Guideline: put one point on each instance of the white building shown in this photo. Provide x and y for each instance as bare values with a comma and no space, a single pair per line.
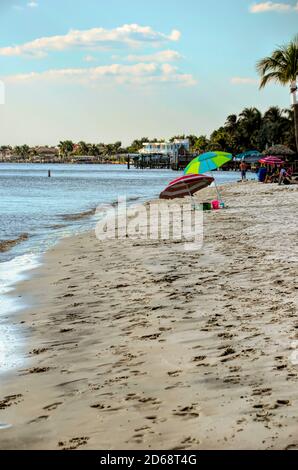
170,149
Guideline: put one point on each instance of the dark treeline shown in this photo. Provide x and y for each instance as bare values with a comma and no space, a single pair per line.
249,130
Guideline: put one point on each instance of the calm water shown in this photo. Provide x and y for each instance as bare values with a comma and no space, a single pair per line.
34,204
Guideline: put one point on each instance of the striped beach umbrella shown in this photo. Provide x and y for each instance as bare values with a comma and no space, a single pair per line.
208,162
186,186
271,161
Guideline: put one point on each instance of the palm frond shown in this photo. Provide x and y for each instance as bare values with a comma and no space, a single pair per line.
272,77
281,66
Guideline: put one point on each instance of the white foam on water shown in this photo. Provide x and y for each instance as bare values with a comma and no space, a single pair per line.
12,272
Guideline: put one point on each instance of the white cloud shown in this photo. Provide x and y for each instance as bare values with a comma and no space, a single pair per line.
132,35
244,81
162,56
175,35
90,58
273,6
31,4
140,74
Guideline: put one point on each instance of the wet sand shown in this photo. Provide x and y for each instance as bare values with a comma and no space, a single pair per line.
143,345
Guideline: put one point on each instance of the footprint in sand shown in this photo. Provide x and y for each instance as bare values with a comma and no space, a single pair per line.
188,412
73,443
53,406
138,438
186,443
199,358
150,337
226,335
174,373
37,370
151,401
228,355
264,410
106,408
36,352
152,418
262,392
98,406
176,385
292,447
143,428
38,419
10,400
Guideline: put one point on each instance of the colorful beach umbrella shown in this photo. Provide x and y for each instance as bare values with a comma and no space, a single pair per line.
186,186
207,162
251,156
271,161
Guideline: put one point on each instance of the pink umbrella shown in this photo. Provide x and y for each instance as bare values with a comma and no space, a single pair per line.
186,185
271,161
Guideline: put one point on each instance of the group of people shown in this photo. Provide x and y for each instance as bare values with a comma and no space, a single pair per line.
275,174
269,174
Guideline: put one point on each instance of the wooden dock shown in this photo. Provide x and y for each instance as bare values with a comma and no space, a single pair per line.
161,162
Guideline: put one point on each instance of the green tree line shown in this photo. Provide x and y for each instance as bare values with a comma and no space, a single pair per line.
248,130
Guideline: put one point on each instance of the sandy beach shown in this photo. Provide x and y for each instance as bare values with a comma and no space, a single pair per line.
143,345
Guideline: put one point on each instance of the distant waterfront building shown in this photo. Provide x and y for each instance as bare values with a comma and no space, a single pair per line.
45,153
167,149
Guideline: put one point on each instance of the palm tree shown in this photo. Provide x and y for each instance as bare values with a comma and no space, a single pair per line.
276,125
252,117
66,147
282,67
289,138
201,144
273,114
93,150
83,148
250,121
231,121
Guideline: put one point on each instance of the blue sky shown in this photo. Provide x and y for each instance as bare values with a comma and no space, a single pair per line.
107,70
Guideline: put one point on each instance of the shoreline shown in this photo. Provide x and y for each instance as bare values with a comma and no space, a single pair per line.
129,351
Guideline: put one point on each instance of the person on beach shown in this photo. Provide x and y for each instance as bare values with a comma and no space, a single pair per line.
275,175
262,173
271,175
243,169
282,175
285,177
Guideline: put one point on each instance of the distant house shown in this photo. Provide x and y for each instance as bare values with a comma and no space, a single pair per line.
167,149
84,159
45,153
